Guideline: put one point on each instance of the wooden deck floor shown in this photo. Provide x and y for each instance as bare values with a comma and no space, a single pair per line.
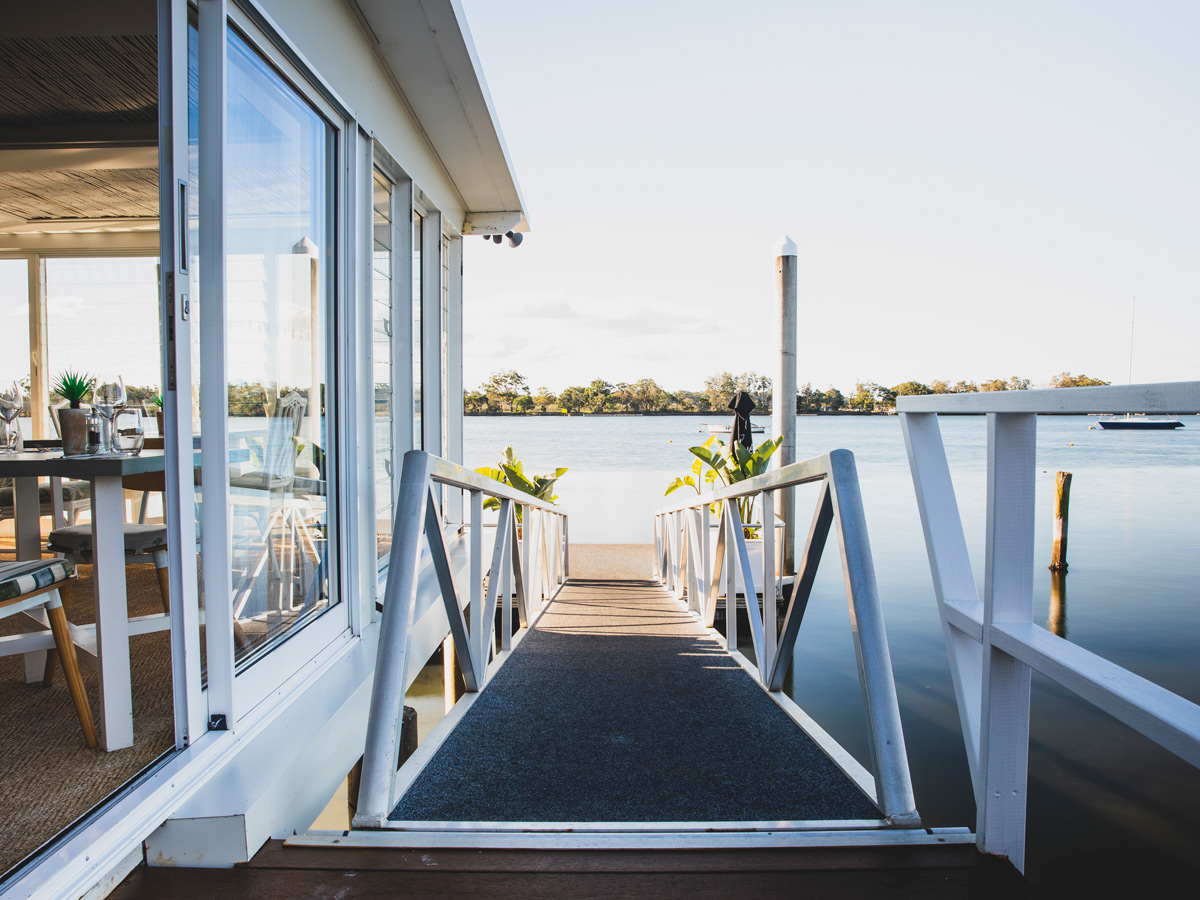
300,873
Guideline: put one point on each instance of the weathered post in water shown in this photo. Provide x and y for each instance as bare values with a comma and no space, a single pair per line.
783,403
1057,621
1062,502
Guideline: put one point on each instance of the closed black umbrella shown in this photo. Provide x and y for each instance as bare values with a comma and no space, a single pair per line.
742,405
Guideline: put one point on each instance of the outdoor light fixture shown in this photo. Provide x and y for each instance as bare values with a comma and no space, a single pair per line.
514,238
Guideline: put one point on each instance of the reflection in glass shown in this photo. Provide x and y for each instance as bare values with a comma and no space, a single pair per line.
279,164
193,276
417,361
382,333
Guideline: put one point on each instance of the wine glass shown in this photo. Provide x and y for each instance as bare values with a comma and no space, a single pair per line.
108,398
11,401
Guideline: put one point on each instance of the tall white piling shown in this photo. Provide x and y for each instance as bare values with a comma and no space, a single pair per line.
783,404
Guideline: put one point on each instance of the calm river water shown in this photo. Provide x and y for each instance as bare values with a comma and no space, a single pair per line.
1110,812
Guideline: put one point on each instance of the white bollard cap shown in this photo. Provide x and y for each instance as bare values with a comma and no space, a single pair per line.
785,246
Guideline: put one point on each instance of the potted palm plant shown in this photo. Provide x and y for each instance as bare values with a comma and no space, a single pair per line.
72,418
511,471
730,465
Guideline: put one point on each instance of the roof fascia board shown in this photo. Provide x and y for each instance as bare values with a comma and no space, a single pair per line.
428,49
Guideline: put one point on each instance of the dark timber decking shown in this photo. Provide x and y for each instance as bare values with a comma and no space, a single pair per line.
302,873
619,707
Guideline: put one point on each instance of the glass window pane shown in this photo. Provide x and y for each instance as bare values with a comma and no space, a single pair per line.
102,320
14,328
382,197
418,440
280,240
384,379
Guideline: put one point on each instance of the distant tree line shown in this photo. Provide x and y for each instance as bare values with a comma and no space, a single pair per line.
509,392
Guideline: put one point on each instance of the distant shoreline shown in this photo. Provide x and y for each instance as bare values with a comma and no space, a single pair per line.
711,414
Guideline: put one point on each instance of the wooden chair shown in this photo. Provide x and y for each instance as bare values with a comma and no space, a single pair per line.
47,583
141,541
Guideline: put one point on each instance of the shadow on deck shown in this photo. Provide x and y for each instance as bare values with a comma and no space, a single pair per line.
619,707
621,718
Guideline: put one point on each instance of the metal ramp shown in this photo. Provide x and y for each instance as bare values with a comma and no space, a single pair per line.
615,717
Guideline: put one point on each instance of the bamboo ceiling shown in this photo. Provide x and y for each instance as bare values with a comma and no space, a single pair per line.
48,85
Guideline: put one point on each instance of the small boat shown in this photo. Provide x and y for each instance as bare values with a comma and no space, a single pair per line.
1130,422
726,428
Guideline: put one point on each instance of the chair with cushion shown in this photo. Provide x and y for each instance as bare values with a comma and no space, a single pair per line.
141,541
47,583
269,496
76,496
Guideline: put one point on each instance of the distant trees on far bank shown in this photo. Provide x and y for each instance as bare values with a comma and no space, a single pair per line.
508,392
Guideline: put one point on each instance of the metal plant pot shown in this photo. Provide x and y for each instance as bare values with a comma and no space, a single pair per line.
73,425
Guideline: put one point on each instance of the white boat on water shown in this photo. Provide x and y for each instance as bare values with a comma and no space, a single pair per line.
726,428
1130,422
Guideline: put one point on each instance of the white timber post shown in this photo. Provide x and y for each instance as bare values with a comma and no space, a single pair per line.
1007,600
783,404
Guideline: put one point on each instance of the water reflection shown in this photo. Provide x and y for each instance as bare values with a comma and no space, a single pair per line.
1057,621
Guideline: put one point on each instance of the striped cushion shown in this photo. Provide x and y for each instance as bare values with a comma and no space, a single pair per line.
19,578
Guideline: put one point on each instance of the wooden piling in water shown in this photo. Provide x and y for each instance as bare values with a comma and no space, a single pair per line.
452,676
1057,621
1062,502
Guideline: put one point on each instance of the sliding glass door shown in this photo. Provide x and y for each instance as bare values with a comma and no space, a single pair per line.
265,165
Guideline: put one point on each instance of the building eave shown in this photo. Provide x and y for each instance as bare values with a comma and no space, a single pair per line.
427,46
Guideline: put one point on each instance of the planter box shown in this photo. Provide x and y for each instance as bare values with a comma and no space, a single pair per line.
754,550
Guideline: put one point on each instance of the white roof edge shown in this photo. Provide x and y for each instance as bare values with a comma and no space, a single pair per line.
428,48
465,30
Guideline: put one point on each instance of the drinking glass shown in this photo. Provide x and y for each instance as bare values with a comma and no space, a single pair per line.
11,400
108,399
131,436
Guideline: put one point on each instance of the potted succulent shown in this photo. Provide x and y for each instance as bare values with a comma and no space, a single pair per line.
72,419
158,412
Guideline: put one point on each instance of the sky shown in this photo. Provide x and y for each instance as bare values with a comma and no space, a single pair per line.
976,190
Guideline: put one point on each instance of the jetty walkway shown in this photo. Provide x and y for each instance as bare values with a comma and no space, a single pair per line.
620,707
617,708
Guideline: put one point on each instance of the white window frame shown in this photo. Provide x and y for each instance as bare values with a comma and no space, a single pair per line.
233,694
401,212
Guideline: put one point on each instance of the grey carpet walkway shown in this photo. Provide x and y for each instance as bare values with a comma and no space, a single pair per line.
618,707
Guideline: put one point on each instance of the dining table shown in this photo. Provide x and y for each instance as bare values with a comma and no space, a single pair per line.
106,644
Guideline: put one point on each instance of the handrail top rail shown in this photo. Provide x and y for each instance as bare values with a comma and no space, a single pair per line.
454,475
1181,397
812,469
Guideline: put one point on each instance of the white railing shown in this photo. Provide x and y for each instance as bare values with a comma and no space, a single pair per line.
691,565
414,624
993,643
